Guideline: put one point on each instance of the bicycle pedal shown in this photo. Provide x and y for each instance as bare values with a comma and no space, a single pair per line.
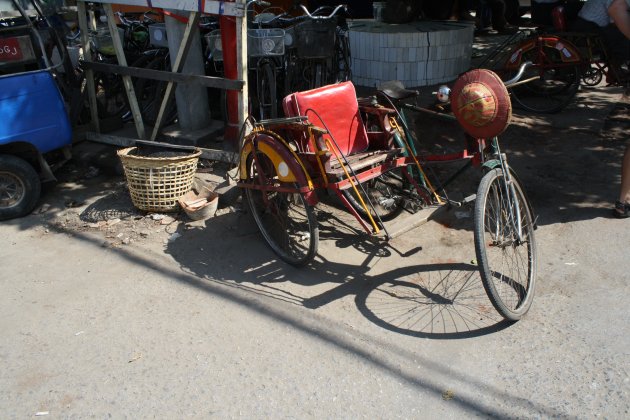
464,202
471,198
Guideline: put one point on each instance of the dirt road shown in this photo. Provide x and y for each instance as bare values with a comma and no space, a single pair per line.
107,312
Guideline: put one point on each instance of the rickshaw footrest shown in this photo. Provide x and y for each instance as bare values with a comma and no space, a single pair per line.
404,224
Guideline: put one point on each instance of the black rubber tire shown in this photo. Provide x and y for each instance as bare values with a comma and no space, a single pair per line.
20,187
286,221
319,74
342,59
592,76
111,95
507,266
266,99
150,94
556,88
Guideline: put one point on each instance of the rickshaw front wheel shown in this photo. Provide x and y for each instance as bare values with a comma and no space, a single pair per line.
505,244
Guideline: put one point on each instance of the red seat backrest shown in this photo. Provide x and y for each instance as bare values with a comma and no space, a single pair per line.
334,107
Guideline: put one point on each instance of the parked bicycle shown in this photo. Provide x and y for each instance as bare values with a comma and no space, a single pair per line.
313,57
562,61
552,81
265,49
112,98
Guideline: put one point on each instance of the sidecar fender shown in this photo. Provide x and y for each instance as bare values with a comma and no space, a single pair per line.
568,53
287,164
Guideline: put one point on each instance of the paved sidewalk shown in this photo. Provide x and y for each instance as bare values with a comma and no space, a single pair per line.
143,317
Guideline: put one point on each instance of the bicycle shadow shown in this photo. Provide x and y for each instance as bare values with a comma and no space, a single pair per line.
429,300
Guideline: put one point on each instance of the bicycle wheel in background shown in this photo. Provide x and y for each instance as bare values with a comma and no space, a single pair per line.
292,73
111,97
267,102
342,60
507,262
556,87
318,74
286,221
592,76
150,94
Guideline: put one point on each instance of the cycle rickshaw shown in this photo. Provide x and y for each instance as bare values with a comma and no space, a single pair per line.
362,151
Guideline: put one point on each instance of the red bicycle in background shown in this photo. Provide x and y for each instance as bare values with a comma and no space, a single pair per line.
561,62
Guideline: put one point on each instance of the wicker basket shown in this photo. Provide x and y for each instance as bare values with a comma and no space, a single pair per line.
155,183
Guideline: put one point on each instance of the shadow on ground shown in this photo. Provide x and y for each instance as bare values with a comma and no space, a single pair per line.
445,301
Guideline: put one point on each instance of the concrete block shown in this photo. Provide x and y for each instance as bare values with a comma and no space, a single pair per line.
411,54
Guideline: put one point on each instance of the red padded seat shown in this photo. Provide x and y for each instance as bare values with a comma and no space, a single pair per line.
333,107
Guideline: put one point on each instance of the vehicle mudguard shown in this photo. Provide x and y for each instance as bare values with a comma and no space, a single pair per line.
491,164
33,111
287,164
568,52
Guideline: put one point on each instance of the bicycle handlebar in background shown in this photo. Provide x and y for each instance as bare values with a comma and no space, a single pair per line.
125,21
330,16
443,94
261,3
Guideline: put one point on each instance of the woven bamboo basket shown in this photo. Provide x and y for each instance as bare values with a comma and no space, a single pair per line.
155,183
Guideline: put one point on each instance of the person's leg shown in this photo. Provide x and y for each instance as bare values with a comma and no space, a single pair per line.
624,195
463,11
571,9
402,11
439,10
512,11
618,48
499,23
622,206
498,13
541,13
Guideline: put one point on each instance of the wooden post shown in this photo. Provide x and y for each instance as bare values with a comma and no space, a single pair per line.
193,19
120,54
241,63
237,82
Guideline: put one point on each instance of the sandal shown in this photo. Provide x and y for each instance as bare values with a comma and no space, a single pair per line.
621,210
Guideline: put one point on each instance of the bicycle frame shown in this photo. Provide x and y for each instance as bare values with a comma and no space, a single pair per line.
487,155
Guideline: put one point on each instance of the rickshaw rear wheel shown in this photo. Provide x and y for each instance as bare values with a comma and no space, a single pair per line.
287,222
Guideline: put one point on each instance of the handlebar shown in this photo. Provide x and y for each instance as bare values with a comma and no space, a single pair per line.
443,94
125,21
271,22
258,3
334,12
516,80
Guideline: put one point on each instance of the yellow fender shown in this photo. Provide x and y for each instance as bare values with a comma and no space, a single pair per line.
287,164
568,52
